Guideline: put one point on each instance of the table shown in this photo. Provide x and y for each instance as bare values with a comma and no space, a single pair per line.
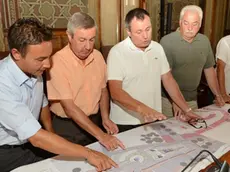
225,157
145,135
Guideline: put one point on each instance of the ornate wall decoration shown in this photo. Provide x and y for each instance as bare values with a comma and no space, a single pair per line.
54,13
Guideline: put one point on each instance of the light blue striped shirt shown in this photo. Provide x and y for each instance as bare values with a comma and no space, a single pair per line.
21,100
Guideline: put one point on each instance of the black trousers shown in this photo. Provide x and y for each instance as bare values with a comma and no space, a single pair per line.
71,131
123,128
13,157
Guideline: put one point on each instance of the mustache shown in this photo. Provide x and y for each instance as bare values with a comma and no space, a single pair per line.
189,32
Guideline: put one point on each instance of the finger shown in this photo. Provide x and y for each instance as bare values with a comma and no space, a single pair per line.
107,146
113,163
160,116
216,103
120,144
113,145
103,164
106,128
99,167
108,131
116,130
108,165
176,113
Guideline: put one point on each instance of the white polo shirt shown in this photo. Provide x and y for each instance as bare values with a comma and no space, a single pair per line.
223,53
140,73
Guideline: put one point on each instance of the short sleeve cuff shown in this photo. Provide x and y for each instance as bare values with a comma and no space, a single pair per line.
164,71
62,97
221,58
115,78
28,129
45,101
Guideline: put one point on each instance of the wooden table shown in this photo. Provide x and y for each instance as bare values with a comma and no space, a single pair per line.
225,157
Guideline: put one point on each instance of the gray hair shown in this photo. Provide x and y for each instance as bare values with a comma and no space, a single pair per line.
80,20
193,8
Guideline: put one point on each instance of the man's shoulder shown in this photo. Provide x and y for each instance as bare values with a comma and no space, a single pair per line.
97,53
120,46
225,39
62,52
169,38
98,56
171,35
202,37
155,44
7,80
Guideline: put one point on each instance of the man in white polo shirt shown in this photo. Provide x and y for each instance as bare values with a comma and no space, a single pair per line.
223,67
136,67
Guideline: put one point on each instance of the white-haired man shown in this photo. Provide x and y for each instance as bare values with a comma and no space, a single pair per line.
189,53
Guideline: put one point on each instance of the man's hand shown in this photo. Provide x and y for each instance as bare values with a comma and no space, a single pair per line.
100,161
185,117
110,126
226,98
150,115
110,142
176,110
219,101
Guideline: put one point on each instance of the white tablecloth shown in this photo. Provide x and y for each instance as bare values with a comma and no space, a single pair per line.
145,135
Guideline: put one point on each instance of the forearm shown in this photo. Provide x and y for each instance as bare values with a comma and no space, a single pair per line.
212,80
127,101
77,115
104,104
55,144
45,118
221,80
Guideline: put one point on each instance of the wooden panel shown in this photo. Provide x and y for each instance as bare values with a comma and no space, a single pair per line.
60,39
3,54
110,22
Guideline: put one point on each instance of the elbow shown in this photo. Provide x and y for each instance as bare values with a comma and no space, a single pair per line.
34,141
115,96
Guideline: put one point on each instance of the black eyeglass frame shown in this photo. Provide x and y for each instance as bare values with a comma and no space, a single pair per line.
194,121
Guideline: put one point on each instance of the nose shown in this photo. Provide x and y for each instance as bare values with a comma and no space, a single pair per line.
87,46
145,35
190,27
46,63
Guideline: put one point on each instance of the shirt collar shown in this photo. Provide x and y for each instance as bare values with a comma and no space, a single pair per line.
19,76
134,48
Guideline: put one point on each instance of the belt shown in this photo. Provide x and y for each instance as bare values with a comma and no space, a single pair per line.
12,146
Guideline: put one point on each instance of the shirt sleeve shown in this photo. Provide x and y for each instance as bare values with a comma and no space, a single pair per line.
222,51
114,66
58,87
45,101
15,115
210,62
165,65
104,70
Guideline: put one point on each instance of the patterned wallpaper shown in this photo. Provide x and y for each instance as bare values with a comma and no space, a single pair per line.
54,13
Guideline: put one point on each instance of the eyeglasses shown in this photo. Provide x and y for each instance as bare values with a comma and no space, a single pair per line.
198,123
